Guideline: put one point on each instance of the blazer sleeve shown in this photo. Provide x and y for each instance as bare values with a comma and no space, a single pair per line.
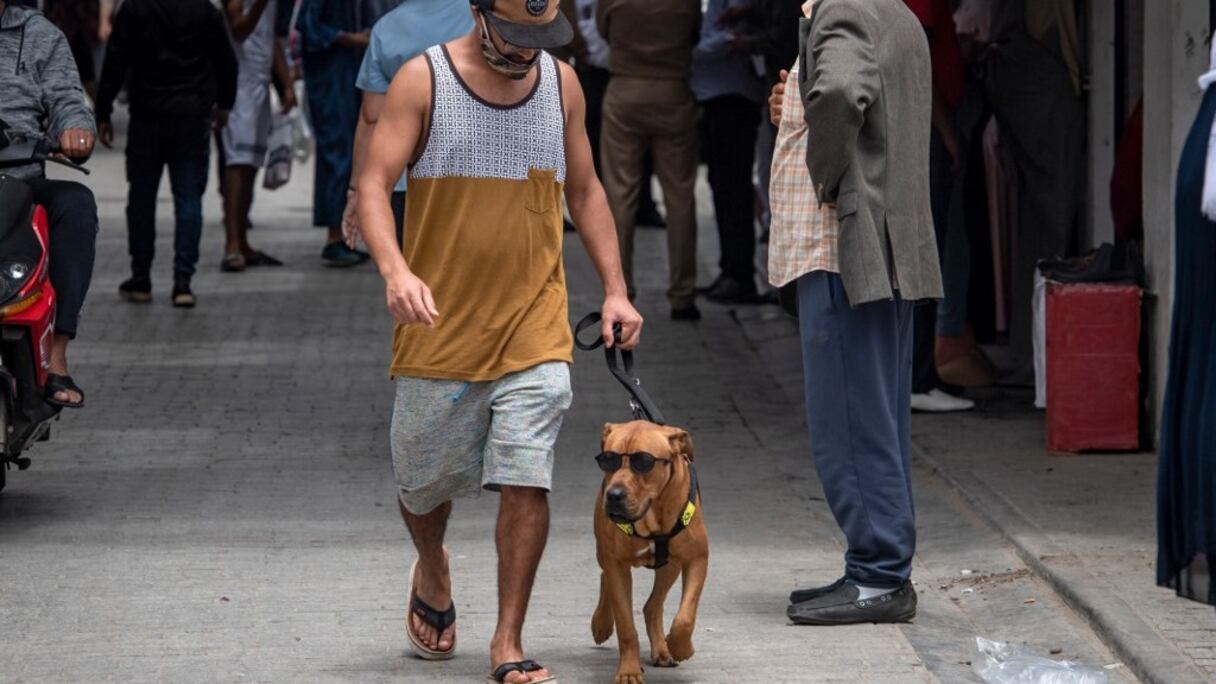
842,84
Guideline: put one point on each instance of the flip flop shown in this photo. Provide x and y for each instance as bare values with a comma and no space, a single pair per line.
62,383
233,262
525,666
261,259
440,620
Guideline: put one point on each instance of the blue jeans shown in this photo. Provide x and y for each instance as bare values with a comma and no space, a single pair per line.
857,366
183,143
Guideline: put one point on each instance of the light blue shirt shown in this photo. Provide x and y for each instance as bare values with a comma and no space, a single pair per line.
715,70
405,33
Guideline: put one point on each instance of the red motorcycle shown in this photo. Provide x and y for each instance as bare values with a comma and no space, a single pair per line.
27,308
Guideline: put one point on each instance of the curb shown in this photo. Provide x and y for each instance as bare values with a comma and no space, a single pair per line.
1147,654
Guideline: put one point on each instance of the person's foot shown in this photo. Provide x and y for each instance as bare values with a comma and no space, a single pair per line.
800,595
433,584
716,281
501,653
136,289
233,262
937,401
844,606
731,291
183,298
649,217
338,255
686,313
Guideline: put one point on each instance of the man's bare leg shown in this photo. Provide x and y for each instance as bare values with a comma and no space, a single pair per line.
433,584
237,179
523,529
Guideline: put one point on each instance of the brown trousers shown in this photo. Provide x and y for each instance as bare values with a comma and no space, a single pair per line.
659,116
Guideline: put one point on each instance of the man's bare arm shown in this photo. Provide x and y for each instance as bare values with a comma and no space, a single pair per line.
593,218
393,142
369,114
240,22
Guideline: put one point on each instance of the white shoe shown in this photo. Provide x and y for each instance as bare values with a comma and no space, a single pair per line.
937,401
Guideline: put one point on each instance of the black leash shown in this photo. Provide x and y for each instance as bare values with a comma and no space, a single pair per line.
642,406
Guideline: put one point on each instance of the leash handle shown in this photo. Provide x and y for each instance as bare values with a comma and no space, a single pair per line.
640,402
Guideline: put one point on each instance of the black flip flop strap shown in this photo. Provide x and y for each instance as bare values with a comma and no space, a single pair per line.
440,620
643,407
524,666
63,383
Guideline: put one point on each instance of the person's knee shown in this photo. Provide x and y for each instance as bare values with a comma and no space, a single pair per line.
73,205
517,496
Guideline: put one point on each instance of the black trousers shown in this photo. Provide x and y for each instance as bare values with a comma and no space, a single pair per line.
72,213
183,144
729,125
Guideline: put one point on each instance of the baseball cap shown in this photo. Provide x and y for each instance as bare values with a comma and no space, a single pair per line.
531,24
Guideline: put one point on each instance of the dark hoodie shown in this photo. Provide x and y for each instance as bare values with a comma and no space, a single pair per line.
177,54
40,91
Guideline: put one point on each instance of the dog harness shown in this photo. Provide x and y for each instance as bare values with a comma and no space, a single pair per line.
661,541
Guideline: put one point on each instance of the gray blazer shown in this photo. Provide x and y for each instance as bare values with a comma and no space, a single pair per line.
866,83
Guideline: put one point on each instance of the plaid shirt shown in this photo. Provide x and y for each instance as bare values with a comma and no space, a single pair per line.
803,233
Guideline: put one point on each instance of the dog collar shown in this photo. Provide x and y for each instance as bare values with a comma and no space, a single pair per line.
661,541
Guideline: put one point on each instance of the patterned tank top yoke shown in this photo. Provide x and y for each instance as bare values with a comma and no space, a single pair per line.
472,138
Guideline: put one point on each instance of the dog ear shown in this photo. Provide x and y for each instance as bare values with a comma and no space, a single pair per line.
608,428
681,443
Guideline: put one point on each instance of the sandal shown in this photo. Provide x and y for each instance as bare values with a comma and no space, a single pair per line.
233,262
257,258
440,620
525,666
62,383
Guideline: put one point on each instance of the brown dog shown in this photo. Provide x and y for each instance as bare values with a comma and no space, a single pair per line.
648,513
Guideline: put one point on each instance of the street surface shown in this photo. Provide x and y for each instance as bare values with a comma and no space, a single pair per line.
223,510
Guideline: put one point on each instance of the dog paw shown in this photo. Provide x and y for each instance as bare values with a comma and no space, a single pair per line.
625,677
680,646
662,658
601,627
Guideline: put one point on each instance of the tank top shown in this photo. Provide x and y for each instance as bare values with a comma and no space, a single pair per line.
255,56
483,230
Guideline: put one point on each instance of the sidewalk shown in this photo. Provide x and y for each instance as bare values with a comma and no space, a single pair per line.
1085,524
224,508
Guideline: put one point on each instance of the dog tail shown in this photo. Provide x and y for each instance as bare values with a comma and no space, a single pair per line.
603,621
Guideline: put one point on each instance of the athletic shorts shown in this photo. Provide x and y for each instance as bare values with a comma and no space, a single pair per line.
450,437
248,130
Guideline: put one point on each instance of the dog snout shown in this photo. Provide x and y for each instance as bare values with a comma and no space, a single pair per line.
616,496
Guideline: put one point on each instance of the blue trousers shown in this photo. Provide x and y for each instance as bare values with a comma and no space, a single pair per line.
857,365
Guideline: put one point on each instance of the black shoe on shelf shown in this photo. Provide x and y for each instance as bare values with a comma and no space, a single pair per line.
687,313
183,298
136,289
649,217
731,291
844,606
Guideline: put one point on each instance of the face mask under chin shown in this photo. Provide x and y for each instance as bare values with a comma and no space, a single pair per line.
499,62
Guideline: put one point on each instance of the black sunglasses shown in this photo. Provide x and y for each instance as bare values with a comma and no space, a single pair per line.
640,462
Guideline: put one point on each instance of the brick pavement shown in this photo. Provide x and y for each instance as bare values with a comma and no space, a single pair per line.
223,511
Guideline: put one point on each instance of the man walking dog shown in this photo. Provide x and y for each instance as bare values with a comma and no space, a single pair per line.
861,253
491,128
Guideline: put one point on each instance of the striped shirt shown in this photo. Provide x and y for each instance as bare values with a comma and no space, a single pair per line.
803,233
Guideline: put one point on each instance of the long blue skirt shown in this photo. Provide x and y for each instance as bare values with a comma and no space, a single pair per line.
1186,483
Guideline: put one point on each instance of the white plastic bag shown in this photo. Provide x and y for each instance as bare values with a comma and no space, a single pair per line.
997,662
301,129
278,157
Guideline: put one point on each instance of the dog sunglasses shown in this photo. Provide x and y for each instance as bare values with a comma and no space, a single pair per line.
640,462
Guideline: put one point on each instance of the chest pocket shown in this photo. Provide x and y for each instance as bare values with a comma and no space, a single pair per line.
541,192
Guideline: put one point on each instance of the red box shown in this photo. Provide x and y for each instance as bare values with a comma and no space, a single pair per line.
1093,367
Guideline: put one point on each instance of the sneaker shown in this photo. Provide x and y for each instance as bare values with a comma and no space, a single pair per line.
183,298
136,289
937,401
338,255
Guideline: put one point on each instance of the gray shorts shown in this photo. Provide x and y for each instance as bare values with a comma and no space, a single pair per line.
451,437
